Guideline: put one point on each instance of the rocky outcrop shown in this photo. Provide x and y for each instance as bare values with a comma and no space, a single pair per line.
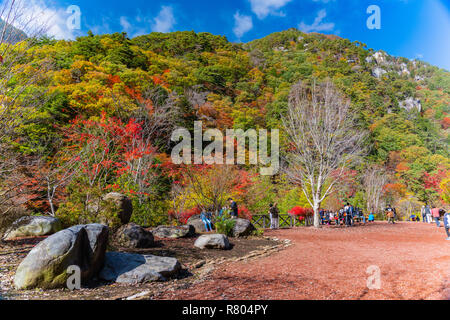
404,70
243,228
134,237
135,268
33,226
379,57
411,104
170,232
378,72
124,207
213,241
46,265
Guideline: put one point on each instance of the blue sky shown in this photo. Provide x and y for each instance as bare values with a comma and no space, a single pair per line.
409,28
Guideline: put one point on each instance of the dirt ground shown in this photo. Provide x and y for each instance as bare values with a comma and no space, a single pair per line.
331,263
191,258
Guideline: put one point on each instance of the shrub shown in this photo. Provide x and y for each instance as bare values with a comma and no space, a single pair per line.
301,212
150,213
225,225
184,216
84,206
244,213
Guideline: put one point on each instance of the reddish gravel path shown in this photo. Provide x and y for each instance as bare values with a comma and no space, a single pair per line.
331,263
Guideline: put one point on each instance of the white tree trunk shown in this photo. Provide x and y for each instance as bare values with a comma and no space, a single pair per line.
316,215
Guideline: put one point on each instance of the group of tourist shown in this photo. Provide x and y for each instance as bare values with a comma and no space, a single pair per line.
436,214
207,215
346,216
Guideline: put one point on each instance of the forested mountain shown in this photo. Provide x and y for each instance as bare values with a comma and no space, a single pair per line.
114,83
11,34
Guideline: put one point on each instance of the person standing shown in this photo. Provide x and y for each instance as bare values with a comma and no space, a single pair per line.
447,224
274,216
348,215
436,216
390,214
428,213
424,214
234,208
352,214
322,217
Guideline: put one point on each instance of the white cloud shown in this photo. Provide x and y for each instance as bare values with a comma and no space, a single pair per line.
317,25
37,17
242,24
126,25
263,8
165,20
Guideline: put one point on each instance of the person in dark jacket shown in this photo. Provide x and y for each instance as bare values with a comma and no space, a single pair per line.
348,215
390,214
274,216
234,208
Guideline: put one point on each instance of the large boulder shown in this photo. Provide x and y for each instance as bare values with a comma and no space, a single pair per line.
124,206
46,265
243,228
33,226
197,223
170,232
134,237
213,241
135,268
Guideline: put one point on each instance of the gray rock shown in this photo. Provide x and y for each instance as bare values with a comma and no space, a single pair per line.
213,241
170,232
124,206
379,57
134,236
135,268
419,78
243,228
411,104
378,72
46,265
33,226
404,70
197,223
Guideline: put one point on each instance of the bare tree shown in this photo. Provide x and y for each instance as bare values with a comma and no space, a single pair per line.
180,196
19,97
324,140
374,180
57,174
157,114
